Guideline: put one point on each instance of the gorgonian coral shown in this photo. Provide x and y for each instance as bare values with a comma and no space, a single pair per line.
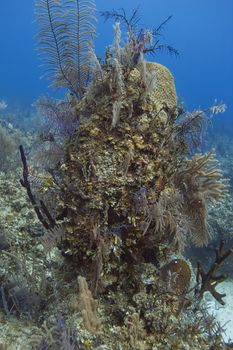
66,40
200,181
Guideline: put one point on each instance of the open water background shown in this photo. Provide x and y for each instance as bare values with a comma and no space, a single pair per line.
201,30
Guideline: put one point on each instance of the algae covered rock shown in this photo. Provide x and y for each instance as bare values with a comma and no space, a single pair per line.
122,197
124,173
127,194
109,170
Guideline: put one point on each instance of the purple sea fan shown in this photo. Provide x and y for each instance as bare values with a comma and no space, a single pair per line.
59,115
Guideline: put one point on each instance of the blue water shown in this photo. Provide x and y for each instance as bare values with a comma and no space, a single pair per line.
201,30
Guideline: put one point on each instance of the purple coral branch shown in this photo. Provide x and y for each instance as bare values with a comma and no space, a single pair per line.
38,209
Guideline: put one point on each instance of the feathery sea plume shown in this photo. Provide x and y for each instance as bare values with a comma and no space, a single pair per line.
200,182
168,216
65,40
190,127
52,237
163,215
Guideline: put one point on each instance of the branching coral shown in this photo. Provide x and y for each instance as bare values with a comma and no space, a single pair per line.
190,128
54,230
40,209
207,281
141,41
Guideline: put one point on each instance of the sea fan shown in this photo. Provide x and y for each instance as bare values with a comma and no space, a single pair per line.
190,128
65,40
60,117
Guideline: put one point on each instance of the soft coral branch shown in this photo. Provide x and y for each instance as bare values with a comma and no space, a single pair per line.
41,209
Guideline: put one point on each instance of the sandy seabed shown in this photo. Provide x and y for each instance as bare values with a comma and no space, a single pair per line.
223,313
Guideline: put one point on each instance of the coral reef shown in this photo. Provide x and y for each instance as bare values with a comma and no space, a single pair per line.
8,150
99,254
209,280
129,190
219,219
200,183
